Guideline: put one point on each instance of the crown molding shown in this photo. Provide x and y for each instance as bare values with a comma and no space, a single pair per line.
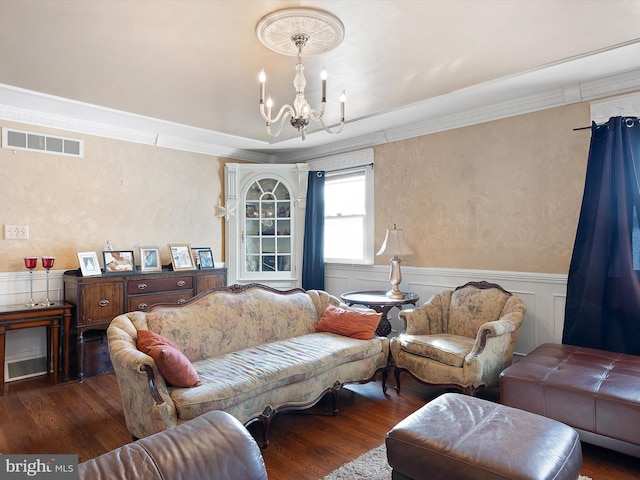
68,124
33,108
574,93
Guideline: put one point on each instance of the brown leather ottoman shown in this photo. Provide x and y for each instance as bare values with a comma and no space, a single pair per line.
595,391
462,437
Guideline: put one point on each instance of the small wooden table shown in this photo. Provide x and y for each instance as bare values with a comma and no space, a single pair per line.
378,300
16,317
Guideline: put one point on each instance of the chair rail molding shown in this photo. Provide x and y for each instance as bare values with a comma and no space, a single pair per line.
544,294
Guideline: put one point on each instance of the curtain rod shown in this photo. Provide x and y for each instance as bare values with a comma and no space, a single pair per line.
354,167
601,124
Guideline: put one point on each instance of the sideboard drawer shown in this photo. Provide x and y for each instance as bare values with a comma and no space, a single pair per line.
152,285
142,302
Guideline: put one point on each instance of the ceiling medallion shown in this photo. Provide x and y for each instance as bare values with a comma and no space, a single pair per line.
325,30
287,32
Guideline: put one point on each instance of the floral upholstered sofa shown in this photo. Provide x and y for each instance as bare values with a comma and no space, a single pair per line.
254,351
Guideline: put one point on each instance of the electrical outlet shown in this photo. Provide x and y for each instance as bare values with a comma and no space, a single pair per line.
16,232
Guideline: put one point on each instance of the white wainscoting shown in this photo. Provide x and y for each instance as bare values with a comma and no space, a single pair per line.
543,294
14,290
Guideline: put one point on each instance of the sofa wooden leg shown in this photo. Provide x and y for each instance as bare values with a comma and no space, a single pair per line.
471,390
265,419
335,390
384,379
396,374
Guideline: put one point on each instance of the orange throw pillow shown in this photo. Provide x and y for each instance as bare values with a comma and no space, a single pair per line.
350,323
147,338
172,363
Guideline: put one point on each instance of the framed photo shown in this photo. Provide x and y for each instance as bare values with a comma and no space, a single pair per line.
203,258
181,257
150,259
89,265
118,261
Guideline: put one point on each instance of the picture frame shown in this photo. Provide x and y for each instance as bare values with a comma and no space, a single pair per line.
181,256
89,266
150,260
203,257
118,261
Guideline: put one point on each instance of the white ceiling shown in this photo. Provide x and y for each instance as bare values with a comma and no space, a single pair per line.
196,63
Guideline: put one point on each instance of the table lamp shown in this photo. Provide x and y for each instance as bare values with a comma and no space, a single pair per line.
395,244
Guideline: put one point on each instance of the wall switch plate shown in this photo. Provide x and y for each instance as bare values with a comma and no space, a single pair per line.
16,232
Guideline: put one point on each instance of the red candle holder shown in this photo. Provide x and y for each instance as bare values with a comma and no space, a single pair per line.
47,263
31,263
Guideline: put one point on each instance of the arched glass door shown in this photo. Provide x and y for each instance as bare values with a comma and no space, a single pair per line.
267,232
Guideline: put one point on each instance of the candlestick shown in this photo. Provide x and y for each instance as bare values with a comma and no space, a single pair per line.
323,77
31,263
47,263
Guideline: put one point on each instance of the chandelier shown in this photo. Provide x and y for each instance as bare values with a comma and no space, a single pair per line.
287,32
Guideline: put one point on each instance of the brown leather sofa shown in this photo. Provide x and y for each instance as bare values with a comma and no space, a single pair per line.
212,446
594,391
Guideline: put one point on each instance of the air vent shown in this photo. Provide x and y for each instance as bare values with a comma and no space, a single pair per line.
37,142
25,368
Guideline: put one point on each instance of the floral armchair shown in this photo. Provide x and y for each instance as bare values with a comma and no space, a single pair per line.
461,338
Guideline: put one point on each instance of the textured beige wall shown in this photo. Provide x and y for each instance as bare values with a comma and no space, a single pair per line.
503,195
127,193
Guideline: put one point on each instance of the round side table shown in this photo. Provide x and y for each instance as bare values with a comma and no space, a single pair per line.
378,301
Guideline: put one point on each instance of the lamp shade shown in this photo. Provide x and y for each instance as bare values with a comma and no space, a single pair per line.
395,243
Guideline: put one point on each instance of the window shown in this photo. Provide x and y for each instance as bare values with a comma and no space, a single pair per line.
348,216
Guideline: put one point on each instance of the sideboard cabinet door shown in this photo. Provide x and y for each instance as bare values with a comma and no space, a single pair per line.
101,302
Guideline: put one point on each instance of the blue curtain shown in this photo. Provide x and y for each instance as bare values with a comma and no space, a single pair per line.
603,290
313,252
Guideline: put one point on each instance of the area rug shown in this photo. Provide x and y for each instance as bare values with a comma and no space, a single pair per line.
371,465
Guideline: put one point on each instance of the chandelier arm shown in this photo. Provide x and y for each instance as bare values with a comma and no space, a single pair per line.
280,124
316,115
332,132
284,111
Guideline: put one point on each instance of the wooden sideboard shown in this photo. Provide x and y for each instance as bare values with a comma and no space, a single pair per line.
97,300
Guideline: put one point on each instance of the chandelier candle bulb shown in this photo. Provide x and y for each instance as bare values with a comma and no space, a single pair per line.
263,78
323,77
269,105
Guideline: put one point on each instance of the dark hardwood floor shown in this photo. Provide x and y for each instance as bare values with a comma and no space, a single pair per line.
86,418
